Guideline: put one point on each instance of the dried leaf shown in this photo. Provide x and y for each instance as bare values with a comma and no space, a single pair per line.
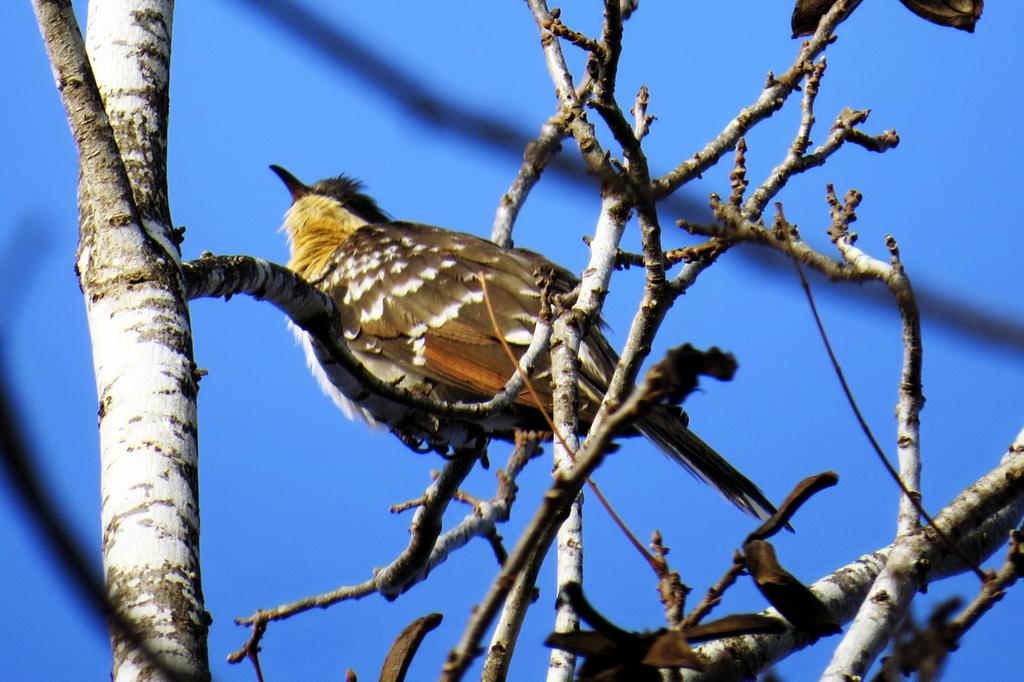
611,653
803,491
789,596
675,376
606,660
807,14
734,626
582,643
396,663
572,592
961,14
669,649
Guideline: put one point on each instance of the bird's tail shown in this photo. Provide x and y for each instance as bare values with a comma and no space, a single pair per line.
670,434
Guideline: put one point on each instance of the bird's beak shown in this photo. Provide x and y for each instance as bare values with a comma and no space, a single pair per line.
294,185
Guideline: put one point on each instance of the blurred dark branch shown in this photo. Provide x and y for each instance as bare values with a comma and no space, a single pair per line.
950,313
17,456
16,461
421,101
318,33
419,98
965,319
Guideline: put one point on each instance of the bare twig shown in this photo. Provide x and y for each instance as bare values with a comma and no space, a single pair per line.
848,392
608,58
714,594
641,119
458,496
980,518
992,591
425,550
541,529
250,651
568,446
797,160
857,266
569,542
911,397
535,158
738,175
537,155
670,586
736,228
569,536
407,567
898,588
575,116
513,612
771,99
843,130
578,39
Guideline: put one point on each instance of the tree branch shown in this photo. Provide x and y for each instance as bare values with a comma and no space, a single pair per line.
440,423
427,547
980,518
771,99
541,529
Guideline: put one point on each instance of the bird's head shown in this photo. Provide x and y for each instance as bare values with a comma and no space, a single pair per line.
322,216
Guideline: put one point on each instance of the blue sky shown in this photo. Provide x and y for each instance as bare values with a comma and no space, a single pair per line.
294,497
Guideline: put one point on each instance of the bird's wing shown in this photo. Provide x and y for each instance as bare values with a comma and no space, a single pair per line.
413,306
414,312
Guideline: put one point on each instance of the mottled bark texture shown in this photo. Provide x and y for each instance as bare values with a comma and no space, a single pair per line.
130,275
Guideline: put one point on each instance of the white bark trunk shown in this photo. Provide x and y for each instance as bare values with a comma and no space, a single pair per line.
142,354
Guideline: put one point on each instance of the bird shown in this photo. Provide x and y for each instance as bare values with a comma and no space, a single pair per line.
414,315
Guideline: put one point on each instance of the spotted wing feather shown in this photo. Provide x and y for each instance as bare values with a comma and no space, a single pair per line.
413,307
414,313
